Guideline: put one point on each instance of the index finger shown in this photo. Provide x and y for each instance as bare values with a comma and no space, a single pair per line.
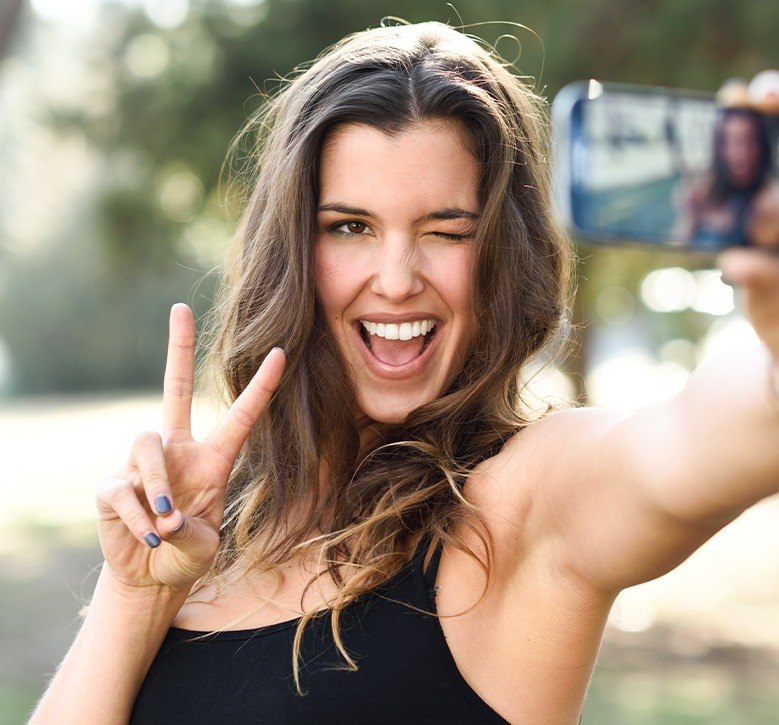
249,405
179,374
756,267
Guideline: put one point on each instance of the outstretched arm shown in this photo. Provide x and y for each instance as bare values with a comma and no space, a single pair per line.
630,496
159,520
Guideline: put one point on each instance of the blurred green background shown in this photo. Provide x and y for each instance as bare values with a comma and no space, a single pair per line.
115,119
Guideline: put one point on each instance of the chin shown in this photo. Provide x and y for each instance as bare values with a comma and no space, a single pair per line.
388,411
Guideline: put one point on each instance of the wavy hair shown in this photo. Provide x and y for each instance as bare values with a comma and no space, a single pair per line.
363,517
722,187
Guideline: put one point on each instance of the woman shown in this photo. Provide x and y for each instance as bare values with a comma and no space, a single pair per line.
737,203
399,246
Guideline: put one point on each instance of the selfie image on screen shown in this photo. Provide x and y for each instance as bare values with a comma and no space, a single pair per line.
675,169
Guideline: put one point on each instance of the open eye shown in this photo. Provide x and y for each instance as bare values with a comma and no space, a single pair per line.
352,227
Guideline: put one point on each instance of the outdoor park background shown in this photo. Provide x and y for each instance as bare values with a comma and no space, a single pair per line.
115,117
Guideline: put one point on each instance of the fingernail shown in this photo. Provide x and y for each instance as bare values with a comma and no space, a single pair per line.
276,348
152,540
180,526
162,504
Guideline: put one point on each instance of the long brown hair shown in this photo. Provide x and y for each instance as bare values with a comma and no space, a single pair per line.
364,519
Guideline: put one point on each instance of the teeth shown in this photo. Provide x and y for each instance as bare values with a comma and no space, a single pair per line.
403,331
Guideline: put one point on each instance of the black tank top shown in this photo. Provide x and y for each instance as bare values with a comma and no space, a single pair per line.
406,673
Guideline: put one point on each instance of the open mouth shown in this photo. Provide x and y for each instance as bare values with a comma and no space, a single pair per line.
398,344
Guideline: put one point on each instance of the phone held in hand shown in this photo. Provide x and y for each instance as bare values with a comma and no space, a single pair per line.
664,167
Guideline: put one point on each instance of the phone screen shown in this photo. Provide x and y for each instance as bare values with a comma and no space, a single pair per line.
666,167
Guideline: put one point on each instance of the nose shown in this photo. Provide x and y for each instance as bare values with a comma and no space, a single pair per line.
397,275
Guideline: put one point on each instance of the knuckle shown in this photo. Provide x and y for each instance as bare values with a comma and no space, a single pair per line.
242,416
106,487
155,482
260,384
146,439
137,522
222,452
119,493
179,386
183,342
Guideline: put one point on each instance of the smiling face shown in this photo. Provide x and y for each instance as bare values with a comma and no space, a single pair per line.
394,259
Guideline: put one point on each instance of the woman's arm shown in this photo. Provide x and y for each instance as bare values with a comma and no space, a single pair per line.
624,498
100,676
159,520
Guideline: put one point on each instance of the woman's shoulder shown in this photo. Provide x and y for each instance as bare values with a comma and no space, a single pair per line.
544,455
560,430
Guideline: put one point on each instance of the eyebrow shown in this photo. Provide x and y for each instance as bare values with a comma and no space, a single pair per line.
438,215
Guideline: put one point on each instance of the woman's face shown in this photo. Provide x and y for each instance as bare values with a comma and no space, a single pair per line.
394,259
740,150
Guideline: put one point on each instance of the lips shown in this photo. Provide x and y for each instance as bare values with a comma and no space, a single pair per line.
397,349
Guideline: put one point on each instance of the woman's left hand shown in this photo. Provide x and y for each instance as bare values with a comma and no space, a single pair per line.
756,271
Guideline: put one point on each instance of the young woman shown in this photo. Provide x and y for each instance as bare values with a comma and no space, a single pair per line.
379,531
737,202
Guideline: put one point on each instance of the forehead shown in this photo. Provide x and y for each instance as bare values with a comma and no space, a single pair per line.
429,164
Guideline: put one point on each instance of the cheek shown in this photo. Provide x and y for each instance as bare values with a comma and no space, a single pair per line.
337,281
326,278
458,281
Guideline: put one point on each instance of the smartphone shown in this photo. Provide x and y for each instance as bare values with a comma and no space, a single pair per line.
664,167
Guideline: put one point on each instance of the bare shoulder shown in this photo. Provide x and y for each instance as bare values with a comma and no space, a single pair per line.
553,444
541,464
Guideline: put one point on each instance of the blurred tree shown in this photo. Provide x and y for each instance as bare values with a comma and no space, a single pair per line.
10,12
179,92
173,97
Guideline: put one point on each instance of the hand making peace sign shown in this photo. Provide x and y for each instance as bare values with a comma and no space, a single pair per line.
160,514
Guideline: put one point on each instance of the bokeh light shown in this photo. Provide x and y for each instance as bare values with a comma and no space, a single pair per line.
167,13
615,305
181,196
668,290
147,55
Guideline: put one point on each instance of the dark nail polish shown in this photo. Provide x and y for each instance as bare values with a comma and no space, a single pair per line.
162,504
152,540
180,526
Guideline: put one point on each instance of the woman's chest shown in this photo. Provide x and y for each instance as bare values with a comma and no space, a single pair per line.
257,599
